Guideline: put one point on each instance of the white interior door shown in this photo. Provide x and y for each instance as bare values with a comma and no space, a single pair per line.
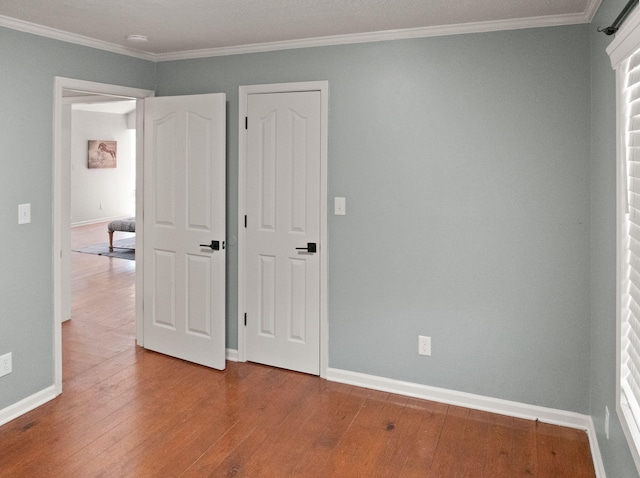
283,218
184,214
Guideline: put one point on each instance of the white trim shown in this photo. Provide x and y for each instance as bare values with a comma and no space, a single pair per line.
476,402
625,44
596,456
387,35
591,10
60,84
403,34
96,221
61,35
139,220
626,40
243,94
625,417
27,404
231,355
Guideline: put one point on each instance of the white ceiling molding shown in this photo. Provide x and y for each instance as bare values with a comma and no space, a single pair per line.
423,32
54,34
592,8
409,33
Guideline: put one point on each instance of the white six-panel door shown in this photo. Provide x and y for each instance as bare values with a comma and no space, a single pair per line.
283,207
184,199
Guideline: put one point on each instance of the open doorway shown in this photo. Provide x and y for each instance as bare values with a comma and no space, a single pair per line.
65,90
103,184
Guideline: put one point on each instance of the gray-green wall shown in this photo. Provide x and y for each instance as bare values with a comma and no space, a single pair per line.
479,176
28,65
465,164
602,191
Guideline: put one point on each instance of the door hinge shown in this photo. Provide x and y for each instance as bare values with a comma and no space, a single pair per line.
246,122
245,221
245,319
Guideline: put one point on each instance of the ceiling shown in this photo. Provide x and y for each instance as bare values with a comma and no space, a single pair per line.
196,28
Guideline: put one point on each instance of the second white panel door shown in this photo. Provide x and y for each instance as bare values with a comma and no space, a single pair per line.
283,230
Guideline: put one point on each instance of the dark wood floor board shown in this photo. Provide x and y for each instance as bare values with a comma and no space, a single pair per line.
499,447
276,457
448,455
474,446
427,439
327,431
115,453
524,449
400,447
225,414
88,421
230,453
356,453
558,451
285,404
372,412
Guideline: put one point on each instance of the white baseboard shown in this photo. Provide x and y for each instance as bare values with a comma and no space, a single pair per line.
476,402
232,355
98,220
598,464
26,405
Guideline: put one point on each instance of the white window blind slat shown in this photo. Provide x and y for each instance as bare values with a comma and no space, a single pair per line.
634,62
634,107
633,156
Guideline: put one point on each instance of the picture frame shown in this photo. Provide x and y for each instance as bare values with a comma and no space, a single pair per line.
102,154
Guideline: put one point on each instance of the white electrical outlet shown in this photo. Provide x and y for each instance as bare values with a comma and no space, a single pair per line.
606,421
424,345
5,364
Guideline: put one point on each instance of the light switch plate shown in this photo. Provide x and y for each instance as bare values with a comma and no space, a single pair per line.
340,206
24,213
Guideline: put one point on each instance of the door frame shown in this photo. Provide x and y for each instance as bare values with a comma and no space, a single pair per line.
61,253
243,97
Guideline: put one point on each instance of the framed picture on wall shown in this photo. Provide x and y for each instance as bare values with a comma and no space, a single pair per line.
103,154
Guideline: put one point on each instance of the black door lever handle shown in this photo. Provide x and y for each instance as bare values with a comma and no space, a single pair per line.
215,245
311,247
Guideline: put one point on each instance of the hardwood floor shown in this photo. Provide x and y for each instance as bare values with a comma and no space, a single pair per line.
127,412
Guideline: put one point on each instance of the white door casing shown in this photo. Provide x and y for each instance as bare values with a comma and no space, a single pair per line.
61,249
184,223
282,288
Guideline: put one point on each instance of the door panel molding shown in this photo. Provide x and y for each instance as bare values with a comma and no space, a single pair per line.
244,92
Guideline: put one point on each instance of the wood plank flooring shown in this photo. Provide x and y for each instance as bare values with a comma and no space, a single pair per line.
127,412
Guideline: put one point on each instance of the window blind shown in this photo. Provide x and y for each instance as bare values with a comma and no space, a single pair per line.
630,326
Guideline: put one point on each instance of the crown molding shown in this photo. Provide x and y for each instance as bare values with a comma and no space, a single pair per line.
387,35
409,33
591,9
61,35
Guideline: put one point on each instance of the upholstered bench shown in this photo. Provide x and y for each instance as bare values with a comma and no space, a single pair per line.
122,225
